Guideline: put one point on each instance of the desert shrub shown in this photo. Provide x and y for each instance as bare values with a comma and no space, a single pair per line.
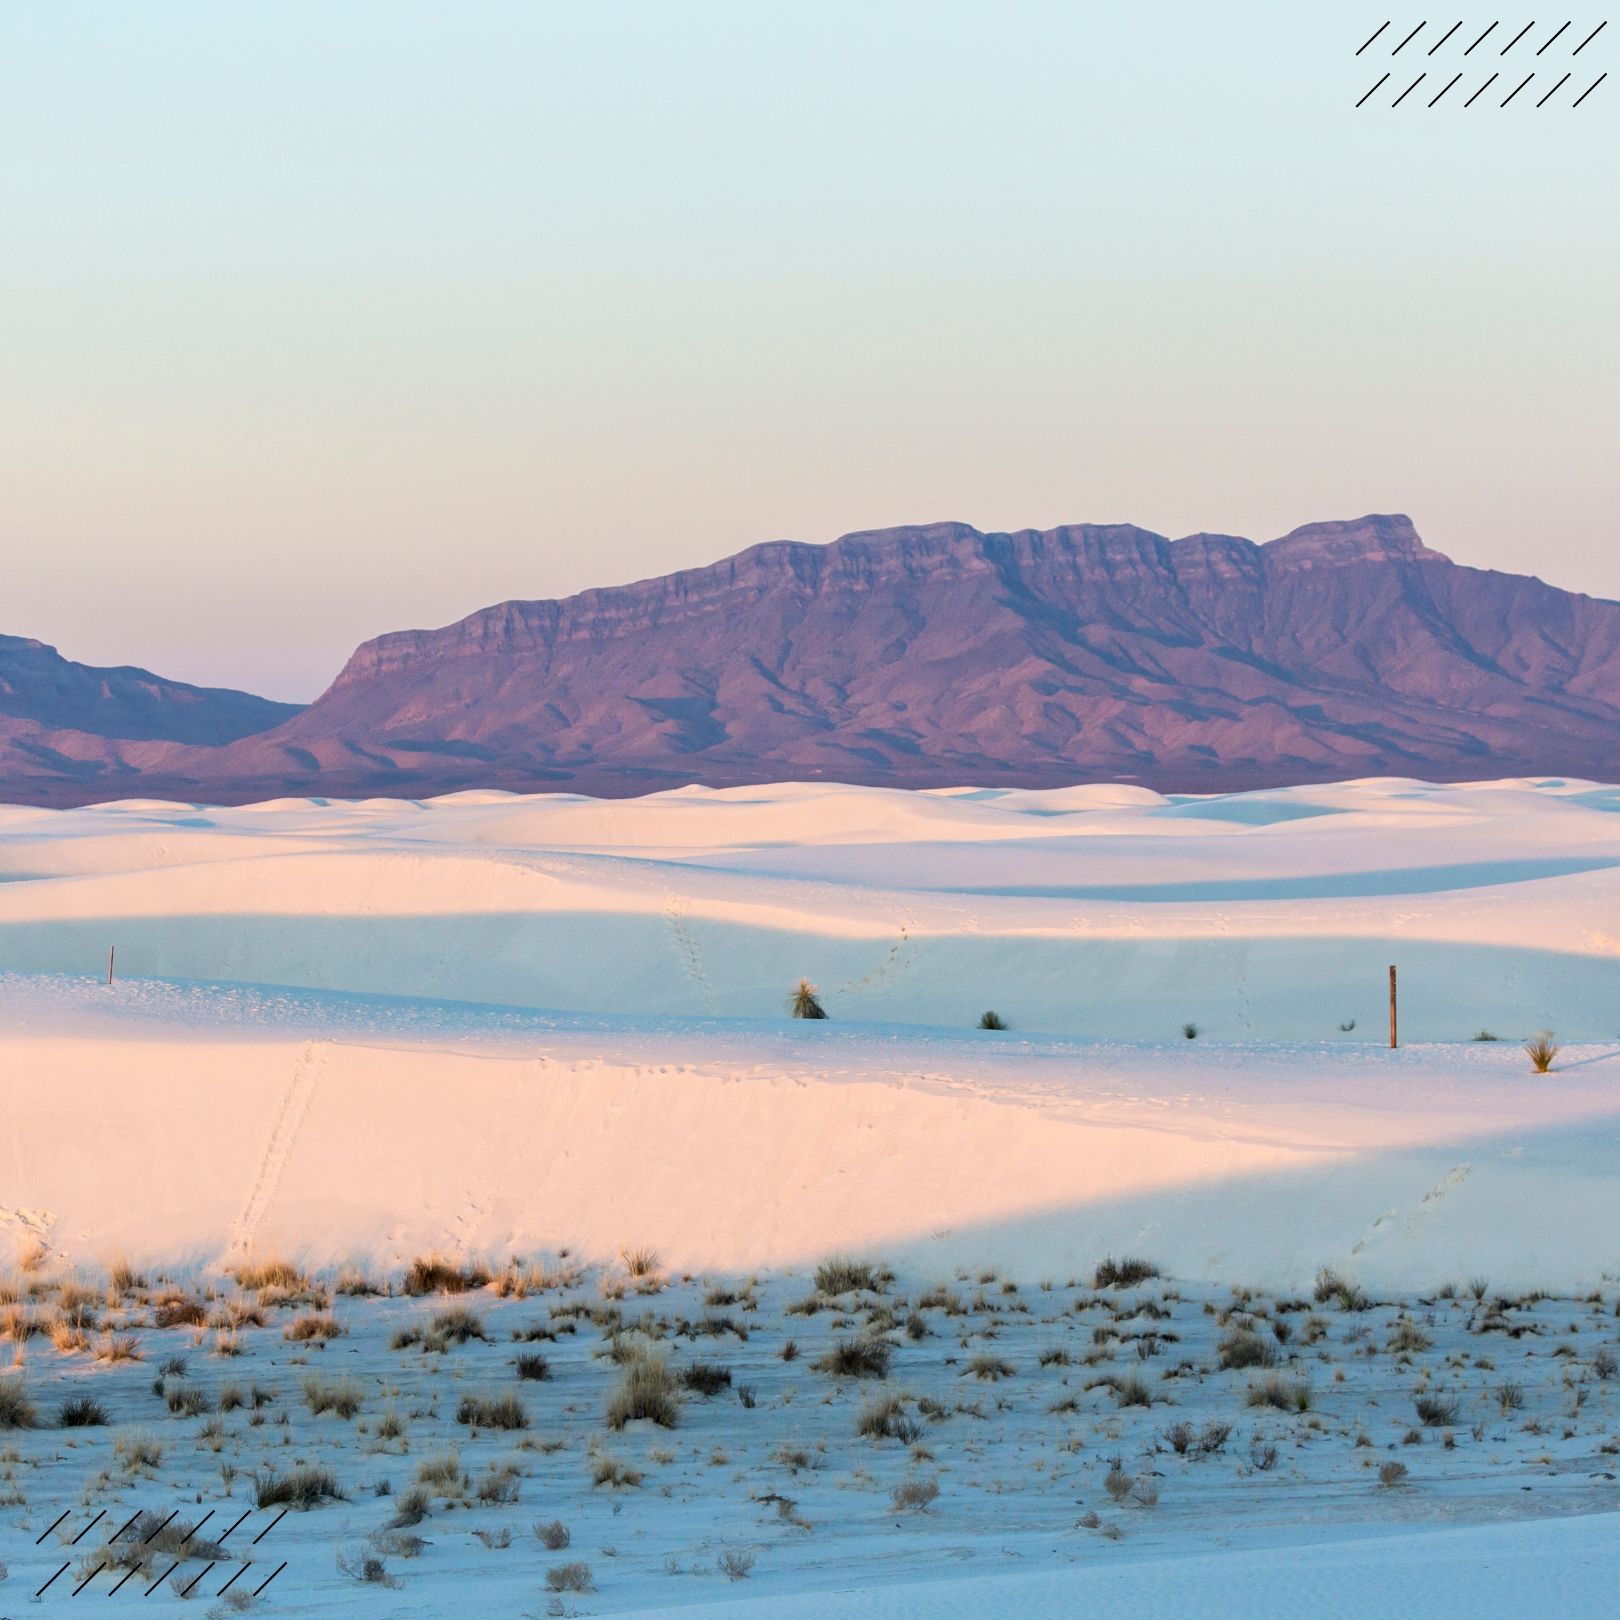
640,1263
16,1410
1127,1389
1189,1032
303,1487
706,1378
1123,1273
370,1568
735,1563
841,1275
1391,1474
1541,1051
341,1396
648,1390
533,1367
992,1020
314,1326
1604,1364
1435,1411
81,1412
885,1419
916,1495
492,1412
1330,1286
1485,1035
499,1485
1244,1348
574,1577
433,1274
865,1357
553,1536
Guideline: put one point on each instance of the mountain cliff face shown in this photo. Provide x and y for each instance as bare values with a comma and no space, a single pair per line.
936,655
69,731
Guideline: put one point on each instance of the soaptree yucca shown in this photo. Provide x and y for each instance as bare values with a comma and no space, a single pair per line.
805,1002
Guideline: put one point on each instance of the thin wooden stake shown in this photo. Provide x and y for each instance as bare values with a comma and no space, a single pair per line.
112,951
1394,1028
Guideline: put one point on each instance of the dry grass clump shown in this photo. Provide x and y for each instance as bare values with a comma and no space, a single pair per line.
865,1357
1331,1287
1125,1272
839,1274
992,1020
1127,1389
16,1410
1243,1347
303,1487
178,1311
1541,1051
885,1419
82,1412
989,1368
1281,1394
341,1396
492,1412
313,1326
606,1469
139,1453
533,1367
1435,1411
273,1271
433,1274
1391,1474
149,1537
1406,1337
648,1390
706,1378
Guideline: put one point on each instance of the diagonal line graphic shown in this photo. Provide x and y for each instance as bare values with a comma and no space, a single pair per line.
1516,38
1589,89
1518,87
1444,37
1408,40
1481,91
1590,37
1375,33
1480,40
1408,90
1561,28
1554,91
1447,88
1364,98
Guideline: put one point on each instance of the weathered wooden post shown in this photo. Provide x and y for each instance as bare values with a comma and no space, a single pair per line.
1394,1028
112,951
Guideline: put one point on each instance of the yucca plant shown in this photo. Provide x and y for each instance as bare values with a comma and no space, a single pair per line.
805,1002
1541,1051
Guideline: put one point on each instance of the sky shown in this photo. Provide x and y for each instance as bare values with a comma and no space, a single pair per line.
318,321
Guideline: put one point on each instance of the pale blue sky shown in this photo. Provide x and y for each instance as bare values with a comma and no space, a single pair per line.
319,320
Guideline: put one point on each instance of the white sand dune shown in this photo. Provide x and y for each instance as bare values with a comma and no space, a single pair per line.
502,1022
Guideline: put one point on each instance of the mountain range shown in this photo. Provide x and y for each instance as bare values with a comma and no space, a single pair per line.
914,657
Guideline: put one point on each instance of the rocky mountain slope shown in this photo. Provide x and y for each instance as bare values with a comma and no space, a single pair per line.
937,655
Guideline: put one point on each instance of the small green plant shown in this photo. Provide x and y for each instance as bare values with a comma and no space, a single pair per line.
992,1020
805,1002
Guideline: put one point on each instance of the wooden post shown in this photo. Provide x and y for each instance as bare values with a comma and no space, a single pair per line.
112,951
1394,1031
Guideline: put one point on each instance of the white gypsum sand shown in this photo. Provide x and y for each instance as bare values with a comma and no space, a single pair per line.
494,1026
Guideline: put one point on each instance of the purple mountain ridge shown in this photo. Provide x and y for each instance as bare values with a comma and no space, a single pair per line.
940,655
